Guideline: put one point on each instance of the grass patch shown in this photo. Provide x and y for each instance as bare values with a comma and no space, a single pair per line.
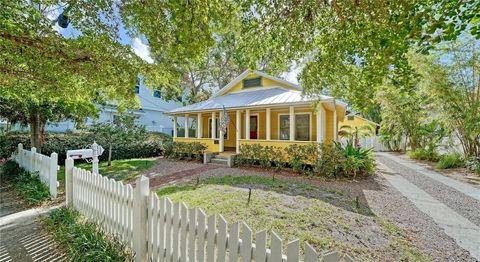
120,169
292,211
29,187
83,240
452,160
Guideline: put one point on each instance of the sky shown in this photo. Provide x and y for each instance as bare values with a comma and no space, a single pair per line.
142,49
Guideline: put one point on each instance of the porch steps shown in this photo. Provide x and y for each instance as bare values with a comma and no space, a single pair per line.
220,159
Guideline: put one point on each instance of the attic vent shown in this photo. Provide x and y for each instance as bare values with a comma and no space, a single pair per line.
252,82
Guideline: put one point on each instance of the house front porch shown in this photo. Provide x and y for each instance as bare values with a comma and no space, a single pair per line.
267,126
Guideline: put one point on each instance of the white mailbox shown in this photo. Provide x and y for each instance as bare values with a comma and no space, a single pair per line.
80,153
93,152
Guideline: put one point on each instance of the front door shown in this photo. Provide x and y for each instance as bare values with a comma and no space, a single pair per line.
253,127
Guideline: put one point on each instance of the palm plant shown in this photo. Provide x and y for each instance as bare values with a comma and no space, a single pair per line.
353,134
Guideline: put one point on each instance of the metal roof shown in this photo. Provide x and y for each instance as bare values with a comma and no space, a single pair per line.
253,98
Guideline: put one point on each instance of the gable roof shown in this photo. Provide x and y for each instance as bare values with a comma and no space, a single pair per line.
272,96
249,71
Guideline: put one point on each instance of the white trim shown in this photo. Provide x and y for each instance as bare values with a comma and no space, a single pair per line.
297,113
186,126
307,103
243,75
238,131
199,125
174,127
213,126
251,89
268,127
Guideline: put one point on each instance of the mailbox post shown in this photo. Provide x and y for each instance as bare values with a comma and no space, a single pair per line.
97,151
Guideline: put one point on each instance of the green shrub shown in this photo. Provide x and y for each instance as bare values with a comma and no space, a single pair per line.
28,186
184,150
83,240
356,160
329,163
250,154
474,165
423,154
452,160
61,142
303,158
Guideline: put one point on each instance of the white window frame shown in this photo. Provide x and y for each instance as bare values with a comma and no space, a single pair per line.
310,123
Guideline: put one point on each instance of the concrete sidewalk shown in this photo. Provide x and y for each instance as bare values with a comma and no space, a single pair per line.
21,236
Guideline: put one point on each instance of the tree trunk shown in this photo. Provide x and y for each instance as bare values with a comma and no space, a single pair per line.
36,130
110,155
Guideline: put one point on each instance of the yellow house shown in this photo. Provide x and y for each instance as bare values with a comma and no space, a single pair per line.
355,121
261,109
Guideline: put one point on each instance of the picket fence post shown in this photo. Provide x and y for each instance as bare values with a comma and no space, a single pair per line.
140,198
52,176
31,167
69,182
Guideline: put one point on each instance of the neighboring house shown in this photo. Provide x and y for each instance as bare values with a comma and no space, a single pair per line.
355,120
151,113
260,110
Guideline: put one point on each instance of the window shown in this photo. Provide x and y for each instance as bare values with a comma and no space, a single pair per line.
137,89
252,82
351,118
284,127
302,127
157,93
217,125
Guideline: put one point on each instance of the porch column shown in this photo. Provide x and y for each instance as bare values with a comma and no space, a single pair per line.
268,124
213,125
175,127
335,123
186,125
320,124
292,123
247,124
238,130
199,125
222,137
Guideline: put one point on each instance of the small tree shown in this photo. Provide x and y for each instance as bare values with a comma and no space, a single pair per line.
122,130
354,134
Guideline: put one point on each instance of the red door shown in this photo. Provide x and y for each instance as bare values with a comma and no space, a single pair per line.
253,127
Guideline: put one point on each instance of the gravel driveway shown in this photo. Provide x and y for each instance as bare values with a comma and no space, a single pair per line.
436,241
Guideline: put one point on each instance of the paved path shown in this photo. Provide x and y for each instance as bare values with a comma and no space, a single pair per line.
453,205
21,236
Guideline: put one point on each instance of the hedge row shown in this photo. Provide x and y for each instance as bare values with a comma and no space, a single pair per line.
61,142
184,150
334,160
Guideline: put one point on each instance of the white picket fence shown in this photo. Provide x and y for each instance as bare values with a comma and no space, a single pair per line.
46,166
159,230
373,142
